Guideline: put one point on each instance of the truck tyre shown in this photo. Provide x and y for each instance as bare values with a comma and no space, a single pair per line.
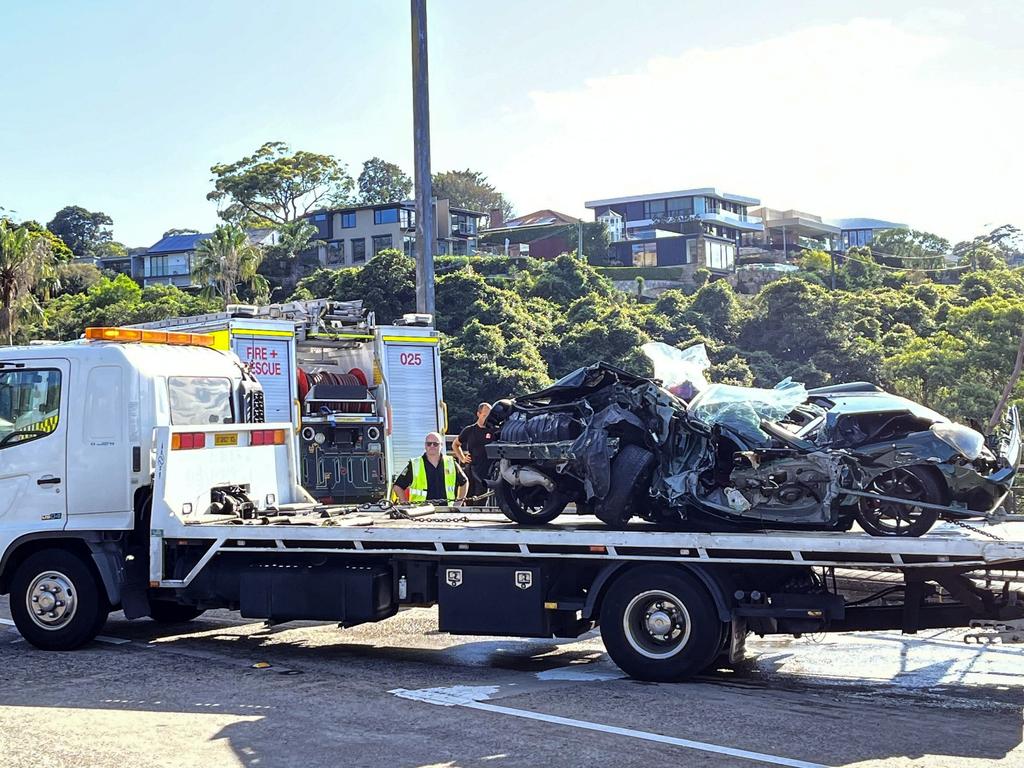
57,601
660,624
629,468
169,612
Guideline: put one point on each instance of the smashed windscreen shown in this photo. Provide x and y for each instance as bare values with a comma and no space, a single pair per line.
744,408
683,372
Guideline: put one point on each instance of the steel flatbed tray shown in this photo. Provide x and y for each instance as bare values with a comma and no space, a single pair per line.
447,532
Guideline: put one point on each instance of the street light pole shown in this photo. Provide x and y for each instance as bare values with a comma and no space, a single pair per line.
425,225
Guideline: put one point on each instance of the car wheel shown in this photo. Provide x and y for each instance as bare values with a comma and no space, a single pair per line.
885,518
629,467
530,505
168,612
660,624
57,601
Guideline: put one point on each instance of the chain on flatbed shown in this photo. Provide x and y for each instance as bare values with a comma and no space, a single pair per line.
969,527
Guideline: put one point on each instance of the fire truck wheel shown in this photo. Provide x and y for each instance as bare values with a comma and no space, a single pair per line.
57,600
660,624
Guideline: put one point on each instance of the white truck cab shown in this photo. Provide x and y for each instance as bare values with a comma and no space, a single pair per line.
78,456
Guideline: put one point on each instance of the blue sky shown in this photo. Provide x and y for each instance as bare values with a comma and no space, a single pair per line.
905,111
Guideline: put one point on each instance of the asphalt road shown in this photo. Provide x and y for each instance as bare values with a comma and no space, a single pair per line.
223,691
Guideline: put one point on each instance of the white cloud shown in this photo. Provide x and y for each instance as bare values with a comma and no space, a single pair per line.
867,118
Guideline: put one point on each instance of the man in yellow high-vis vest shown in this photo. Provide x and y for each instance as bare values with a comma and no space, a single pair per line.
432,477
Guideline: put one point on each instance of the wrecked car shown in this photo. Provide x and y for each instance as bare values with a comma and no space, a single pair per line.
620,446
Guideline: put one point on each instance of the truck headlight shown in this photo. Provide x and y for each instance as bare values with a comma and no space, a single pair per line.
968,442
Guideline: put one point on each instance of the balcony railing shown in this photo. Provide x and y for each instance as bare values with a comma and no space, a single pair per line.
736,219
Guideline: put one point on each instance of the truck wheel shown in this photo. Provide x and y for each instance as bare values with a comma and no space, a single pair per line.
629,468
168,612
57,601
533,505
660,624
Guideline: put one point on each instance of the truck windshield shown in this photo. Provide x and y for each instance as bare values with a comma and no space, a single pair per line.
197,400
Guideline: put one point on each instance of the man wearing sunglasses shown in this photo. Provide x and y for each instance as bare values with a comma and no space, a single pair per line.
432,477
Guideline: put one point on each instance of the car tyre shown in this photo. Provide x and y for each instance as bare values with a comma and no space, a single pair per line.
57,600
879,518
660,624
532,505
629,469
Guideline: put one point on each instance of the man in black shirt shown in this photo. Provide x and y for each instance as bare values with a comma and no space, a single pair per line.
432,477
469,448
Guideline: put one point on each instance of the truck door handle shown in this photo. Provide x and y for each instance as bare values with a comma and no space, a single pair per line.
48,481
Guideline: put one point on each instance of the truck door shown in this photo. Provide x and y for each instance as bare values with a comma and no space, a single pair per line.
413,392
33,446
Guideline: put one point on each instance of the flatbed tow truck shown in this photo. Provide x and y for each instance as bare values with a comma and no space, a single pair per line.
123,493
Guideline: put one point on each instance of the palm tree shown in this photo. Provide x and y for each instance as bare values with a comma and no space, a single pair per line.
226,260
26,262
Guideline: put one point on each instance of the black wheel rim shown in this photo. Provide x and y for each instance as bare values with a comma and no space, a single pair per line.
530,502
889,516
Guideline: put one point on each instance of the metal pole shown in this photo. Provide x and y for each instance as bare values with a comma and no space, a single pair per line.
425,226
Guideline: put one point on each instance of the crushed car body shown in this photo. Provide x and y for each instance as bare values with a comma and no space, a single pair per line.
687,454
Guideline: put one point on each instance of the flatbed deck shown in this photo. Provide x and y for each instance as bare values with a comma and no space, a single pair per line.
446,532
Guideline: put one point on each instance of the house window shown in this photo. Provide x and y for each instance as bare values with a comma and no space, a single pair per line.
158,266
409,245
655,209
463,224
711,205
336,252
358,250
691,251
408,218
645,254
459,248
680,206
323,226
348,220
720,256
381,242
385,216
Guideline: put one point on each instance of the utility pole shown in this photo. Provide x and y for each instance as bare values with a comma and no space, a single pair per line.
579,241
425,226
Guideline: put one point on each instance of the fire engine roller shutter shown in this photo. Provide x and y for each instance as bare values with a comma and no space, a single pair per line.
268,357
412,392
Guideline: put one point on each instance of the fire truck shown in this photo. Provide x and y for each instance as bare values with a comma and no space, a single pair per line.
360,396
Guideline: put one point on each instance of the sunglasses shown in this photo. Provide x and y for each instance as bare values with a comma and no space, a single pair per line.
432,443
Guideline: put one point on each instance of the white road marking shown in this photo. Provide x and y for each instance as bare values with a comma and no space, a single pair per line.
473,697
100,638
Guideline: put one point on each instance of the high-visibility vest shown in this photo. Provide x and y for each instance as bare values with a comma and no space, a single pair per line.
418,489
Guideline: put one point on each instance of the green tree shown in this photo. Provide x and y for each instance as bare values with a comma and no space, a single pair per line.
566,279
226,260
174,231
81,230
277,185
383,182
471,189
292,256
25,261
909,249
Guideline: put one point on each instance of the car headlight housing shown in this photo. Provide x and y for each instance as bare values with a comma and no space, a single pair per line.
969,443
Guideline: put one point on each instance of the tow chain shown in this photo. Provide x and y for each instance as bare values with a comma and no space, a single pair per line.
969,527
